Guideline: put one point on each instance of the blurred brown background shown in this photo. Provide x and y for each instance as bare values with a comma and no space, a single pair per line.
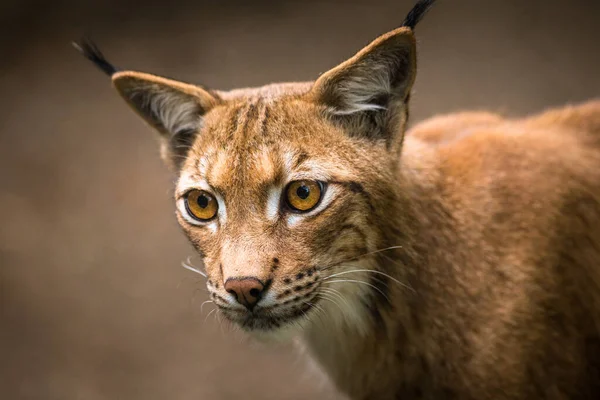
93,301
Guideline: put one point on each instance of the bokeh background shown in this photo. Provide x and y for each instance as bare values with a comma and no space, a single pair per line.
93,301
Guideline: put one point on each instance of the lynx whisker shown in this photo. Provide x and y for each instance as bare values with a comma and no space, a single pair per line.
202,305
337,293
330,298
373,272
320,312
355,258
364,283
191,268
208,315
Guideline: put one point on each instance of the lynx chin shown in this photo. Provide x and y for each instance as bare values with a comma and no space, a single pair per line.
457,260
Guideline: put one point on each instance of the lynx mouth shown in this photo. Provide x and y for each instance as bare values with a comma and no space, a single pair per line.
273,317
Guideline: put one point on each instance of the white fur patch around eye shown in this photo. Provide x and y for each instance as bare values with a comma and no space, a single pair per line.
289,158
313,171
273,203
187,183
202,165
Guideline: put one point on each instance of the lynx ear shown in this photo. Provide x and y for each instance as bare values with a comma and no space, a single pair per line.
369,93
372,87
173,108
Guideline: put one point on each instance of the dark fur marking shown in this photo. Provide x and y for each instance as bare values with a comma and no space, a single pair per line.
287,280
233,124
263,122
221,298
90,51
267,285
299,276
357,188
251,114
284,294
417,13
298,288
301,158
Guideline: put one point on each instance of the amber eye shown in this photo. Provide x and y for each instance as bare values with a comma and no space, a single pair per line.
201,205
303,195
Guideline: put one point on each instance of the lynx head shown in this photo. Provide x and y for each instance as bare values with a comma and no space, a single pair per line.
284,188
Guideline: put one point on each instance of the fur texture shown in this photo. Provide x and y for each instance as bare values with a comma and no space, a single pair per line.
457,261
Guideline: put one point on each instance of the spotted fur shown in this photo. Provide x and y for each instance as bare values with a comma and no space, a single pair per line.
457,261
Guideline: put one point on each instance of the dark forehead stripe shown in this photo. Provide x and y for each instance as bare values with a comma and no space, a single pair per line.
251,122
263,119
233,122
245,119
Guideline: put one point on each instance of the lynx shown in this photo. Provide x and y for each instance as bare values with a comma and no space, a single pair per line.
457,260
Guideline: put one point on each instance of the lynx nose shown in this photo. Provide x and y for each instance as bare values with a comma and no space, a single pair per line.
247,290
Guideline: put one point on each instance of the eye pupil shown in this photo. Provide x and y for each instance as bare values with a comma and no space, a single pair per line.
202,201
303,192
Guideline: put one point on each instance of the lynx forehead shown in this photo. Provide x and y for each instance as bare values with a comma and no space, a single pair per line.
456,261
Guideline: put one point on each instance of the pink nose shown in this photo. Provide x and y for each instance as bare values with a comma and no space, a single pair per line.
247,290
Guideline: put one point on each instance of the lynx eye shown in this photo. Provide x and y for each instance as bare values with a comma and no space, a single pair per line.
303,195
201,205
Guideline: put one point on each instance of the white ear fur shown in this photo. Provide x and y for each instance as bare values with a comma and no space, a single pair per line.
176,113
357,92
169,106
381,72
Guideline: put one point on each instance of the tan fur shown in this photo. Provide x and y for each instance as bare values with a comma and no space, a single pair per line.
470,247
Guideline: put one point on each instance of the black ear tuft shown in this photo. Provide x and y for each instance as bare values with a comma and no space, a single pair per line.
417,13
90,51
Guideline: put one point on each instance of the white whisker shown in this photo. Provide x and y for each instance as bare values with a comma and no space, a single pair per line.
359,257
337,293
189,267
364,283
319,309
328,298
371,271
208,315
381,250
202,305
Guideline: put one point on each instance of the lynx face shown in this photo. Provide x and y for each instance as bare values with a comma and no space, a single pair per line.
290,203
286,190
